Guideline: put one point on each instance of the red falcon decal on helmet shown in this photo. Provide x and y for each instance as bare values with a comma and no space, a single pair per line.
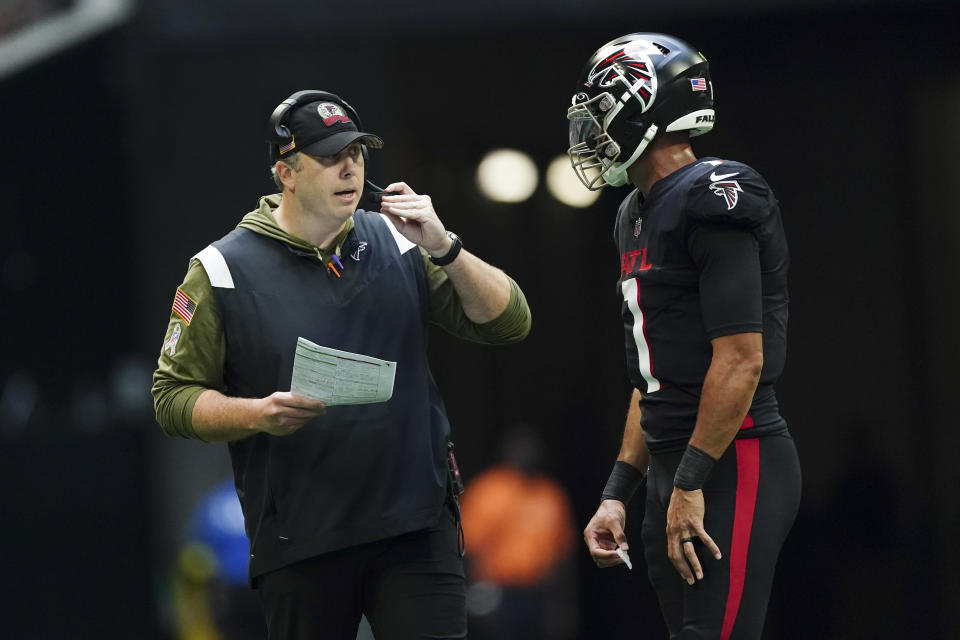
331,113
728,190
605,72
629,65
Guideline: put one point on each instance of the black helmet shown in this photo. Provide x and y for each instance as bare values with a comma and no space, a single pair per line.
631,89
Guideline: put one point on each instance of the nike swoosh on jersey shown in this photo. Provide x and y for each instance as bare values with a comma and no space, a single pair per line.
714,177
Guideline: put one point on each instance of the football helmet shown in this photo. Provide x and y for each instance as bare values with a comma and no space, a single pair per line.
630,90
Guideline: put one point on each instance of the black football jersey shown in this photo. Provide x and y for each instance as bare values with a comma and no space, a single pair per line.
702,256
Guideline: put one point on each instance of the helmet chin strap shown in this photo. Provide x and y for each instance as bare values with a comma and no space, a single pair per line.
616,174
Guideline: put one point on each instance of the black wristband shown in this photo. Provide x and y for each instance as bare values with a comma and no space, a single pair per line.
451,255
694,467
623,482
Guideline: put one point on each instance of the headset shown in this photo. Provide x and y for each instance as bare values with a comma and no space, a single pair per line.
277,133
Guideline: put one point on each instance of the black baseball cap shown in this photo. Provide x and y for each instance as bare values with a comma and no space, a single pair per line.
322,128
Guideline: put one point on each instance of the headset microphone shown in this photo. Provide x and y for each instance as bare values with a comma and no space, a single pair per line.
373,193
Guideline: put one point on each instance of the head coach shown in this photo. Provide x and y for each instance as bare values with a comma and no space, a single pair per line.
349,509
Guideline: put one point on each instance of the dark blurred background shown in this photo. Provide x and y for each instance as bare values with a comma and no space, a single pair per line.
131,143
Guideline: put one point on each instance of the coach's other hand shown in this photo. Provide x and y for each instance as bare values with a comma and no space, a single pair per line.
283,412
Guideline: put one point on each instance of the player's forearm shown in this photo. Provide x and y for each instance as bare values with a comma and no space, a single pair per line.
725,399
633,449
220,418
484,290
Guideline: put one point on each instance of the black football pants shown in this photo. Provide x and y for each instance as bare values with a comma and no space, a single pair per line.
410,587
751,499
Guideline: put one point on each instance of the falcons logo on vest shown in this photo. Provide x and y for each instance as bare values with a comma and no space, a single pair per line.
729,190
360,249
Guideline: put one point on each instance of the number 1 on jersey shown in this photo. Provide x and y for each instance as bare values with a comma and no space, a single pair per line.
631,295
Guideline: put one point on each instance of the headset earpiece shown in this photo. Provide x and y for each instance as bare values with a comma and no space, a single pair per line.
277,132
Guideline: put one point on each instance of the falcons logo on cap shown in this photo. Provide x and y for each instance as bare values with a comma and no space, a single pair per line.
729,190
331,113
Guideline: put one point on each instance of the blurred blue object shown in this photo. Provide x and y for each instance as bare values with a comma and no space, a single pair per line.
217,522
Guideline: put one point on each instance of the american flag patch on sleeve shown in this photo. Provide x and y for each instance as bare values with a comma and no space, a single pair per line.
184,306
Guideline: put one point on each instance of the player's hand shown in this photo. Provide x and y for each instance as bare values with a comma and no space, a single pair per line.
604,533
282,412
415,218
684,521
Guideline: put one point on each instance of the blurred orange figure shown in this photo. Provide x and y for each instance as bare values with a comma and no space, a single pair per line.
518,526
520,535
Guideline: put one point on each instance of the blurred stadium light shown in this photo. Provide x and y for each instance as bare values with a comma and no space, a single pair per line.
31,30
566,187
507,175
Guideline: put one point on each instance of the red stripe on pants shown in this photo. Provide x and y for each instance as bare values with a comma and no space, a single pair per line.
748,477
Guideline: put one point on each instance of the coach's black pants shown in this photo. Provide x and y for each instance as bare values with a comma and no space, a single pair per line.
409,587
751,498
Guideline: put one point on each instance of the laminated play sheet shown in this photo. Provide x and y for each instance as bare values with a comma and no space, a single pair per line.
340,377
